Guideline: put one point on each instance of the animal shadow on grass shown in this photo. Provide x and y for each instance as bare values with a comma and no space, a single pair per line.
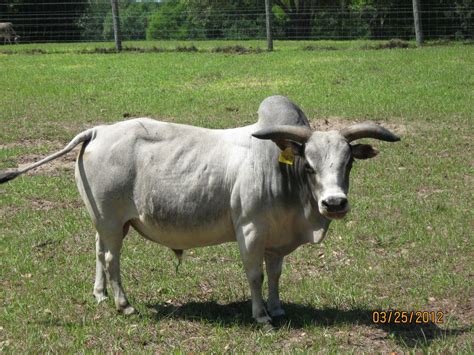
300,316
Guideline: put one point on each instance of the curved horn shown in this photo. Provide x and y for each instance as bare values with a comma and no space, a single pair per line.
368,130
293,133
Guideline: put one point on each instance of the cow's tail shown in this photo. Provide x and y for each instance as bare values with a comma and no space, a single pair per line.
10,174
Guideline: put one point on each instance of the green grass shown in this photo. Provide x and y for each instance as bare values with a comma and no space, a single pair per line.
406,245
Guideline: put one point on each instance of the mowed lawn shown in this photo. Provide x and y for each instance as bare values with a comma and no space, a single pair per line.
407,244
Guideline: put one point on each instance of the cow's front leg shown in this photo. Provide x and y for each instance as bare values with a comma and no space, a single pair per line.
251,246
273,264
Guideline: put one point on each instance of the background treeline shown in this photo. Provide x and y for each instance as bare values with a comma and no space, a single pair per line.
63,20
51,20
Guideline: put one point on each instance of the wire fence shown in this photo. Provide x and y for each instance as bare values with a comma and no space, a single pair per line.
73,21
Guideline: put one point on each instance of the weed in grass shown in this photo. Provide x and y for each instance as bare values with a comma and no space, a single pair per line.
191,48
393,43
312,47
235,50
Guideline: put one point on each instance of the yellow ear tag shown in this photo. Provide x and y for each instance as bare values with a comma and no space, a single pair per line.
287,156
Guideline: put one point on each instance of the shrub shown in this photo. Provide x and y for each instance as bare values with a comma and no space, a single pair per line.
133,21
169,22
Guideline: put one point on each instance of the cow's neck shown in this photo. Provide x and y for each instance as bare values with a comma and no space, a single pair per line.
295,183
296,189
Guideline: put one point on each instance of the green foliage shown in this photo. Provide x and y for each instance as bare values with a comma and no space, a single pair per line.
96,23
169,22
342,25
44,20
239,19
91,22
205,20
133,23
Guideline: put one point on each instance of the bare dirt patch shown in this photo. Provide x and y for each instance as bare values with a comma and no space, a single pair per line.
52,168
425,192
34,143
311,47
76,127
43,205
461,310
46,205
330,123
393,43
236,50
338,123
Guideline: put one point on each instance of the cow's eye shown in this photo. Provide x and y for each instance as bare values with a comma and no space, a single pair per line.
349,164
308,169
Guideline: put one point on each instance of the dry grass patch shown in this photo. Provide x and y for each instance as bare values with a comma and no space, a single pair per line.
53,168
338,123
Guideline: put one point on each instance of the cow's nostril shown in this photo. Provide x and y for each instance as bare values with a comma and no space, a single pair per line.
335,203
343,203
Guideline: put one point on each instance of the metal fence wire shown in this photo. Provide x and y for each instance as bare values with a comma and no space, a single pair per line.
70,21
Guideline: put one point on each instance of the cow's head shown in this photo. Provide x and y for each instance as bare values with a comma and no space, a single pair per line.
327,159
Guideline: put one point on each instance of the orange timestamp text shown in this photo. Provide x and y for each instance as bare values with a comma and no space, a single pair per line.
407,317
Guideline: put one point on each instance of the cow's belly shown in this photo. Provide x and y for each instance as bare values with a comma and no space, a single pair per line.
183,236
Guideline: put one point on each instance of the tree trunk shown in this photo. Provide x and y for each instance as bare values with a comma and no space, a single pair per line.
116,22
417,20
268,17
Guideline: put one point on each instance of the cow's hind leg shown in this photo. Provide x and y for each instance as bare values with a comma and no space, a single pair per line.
109,243
100,284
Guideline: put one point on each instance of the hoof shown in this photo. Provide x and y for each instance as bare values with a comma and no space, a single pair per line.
279,312
264,320
268,328
127,311
100,297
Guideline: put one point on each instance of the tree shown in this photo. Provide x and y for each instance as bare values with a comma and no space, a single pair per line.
226,19
301,13
43,21
169,22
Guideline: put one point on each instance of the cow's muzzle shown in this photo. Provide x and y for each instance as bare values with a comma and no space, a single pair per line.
334,207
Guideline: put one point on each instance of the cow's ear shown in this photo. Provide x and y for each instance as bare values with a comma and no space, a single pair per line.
363,151
296,148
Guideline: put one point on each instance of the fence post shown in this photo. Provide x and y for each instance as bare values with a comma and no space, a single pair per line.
268,17
417,20
116,21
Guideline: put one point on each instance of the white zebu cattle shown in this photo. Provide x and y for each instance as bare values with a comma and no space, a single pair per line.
8,33
186,187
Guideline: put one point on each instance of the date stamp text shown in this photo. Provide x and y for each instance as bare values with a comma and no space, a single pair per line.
407,317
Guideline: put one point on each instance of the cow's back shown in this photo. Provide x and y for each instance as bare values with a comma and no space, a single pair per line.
6,27
165,177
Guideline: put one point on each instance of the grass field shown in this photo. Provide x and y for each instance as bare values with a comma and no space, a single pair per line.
406,245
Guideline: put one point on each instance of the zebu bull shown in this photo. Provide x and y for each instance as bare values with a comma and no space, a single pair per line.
8,33
186,187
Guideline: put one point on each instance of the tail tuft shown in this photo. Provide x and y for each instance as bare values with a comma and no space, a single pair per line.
8,175
179,255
